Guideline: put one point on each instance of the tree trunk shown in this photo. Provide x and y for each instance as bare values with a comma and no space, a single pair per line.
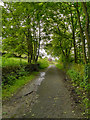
87,31
80,56
29,40
29,44
39,42
29,50
74,43
81,34
35,47
35,42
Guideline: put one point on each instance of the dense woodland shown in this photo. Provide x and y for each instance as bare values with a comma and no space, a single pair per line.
64,27
61,28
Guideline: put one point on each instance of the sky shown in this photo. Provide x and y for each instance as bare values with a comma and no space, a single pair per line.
1,3
42,51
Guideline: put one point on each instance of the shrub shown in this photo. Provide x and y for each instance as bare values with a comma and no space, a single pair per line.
79,75
75,76
11,73
60,65
43,63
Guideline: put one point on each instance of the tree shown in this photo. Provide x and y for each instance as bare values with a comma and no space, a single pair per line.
27,25
18,27
81,34
87,31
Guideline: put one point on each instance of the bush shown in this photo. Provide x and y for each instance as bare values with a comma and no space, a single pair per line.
9,90
79,75
75,76
60,66
32,67
43,63
11,73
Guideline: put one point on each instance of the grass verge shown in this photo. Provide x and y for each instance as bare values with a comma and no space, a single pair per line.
78,75
13,61
8,91
79,78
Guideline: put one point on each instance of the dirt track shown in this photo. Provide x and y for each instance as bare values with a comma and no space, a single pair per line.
49,98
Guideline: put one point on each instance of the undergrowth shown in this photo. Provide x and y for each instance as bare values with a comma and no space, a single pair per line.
15,74
79,75
9,90
60,65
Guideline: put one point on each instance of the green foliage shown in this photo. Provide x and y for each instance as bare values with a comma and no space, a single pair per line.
79,78
43,63
75,76
9,77
9,90
60,66
14,69
60,28
79,75
19,31
59,25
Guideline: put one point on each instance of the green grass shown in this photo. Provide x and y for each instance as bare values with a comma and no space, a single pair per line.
13,61
16,62
8,91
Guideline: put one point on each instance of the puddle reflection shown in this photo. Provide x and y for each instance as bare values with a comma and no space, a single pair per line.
40,79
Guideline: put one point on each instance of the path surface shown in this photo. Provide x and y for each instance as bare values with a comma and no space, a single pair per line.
50,98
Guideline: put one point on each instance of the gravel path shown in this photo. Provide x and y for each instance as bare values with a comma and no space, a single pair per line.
49,99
